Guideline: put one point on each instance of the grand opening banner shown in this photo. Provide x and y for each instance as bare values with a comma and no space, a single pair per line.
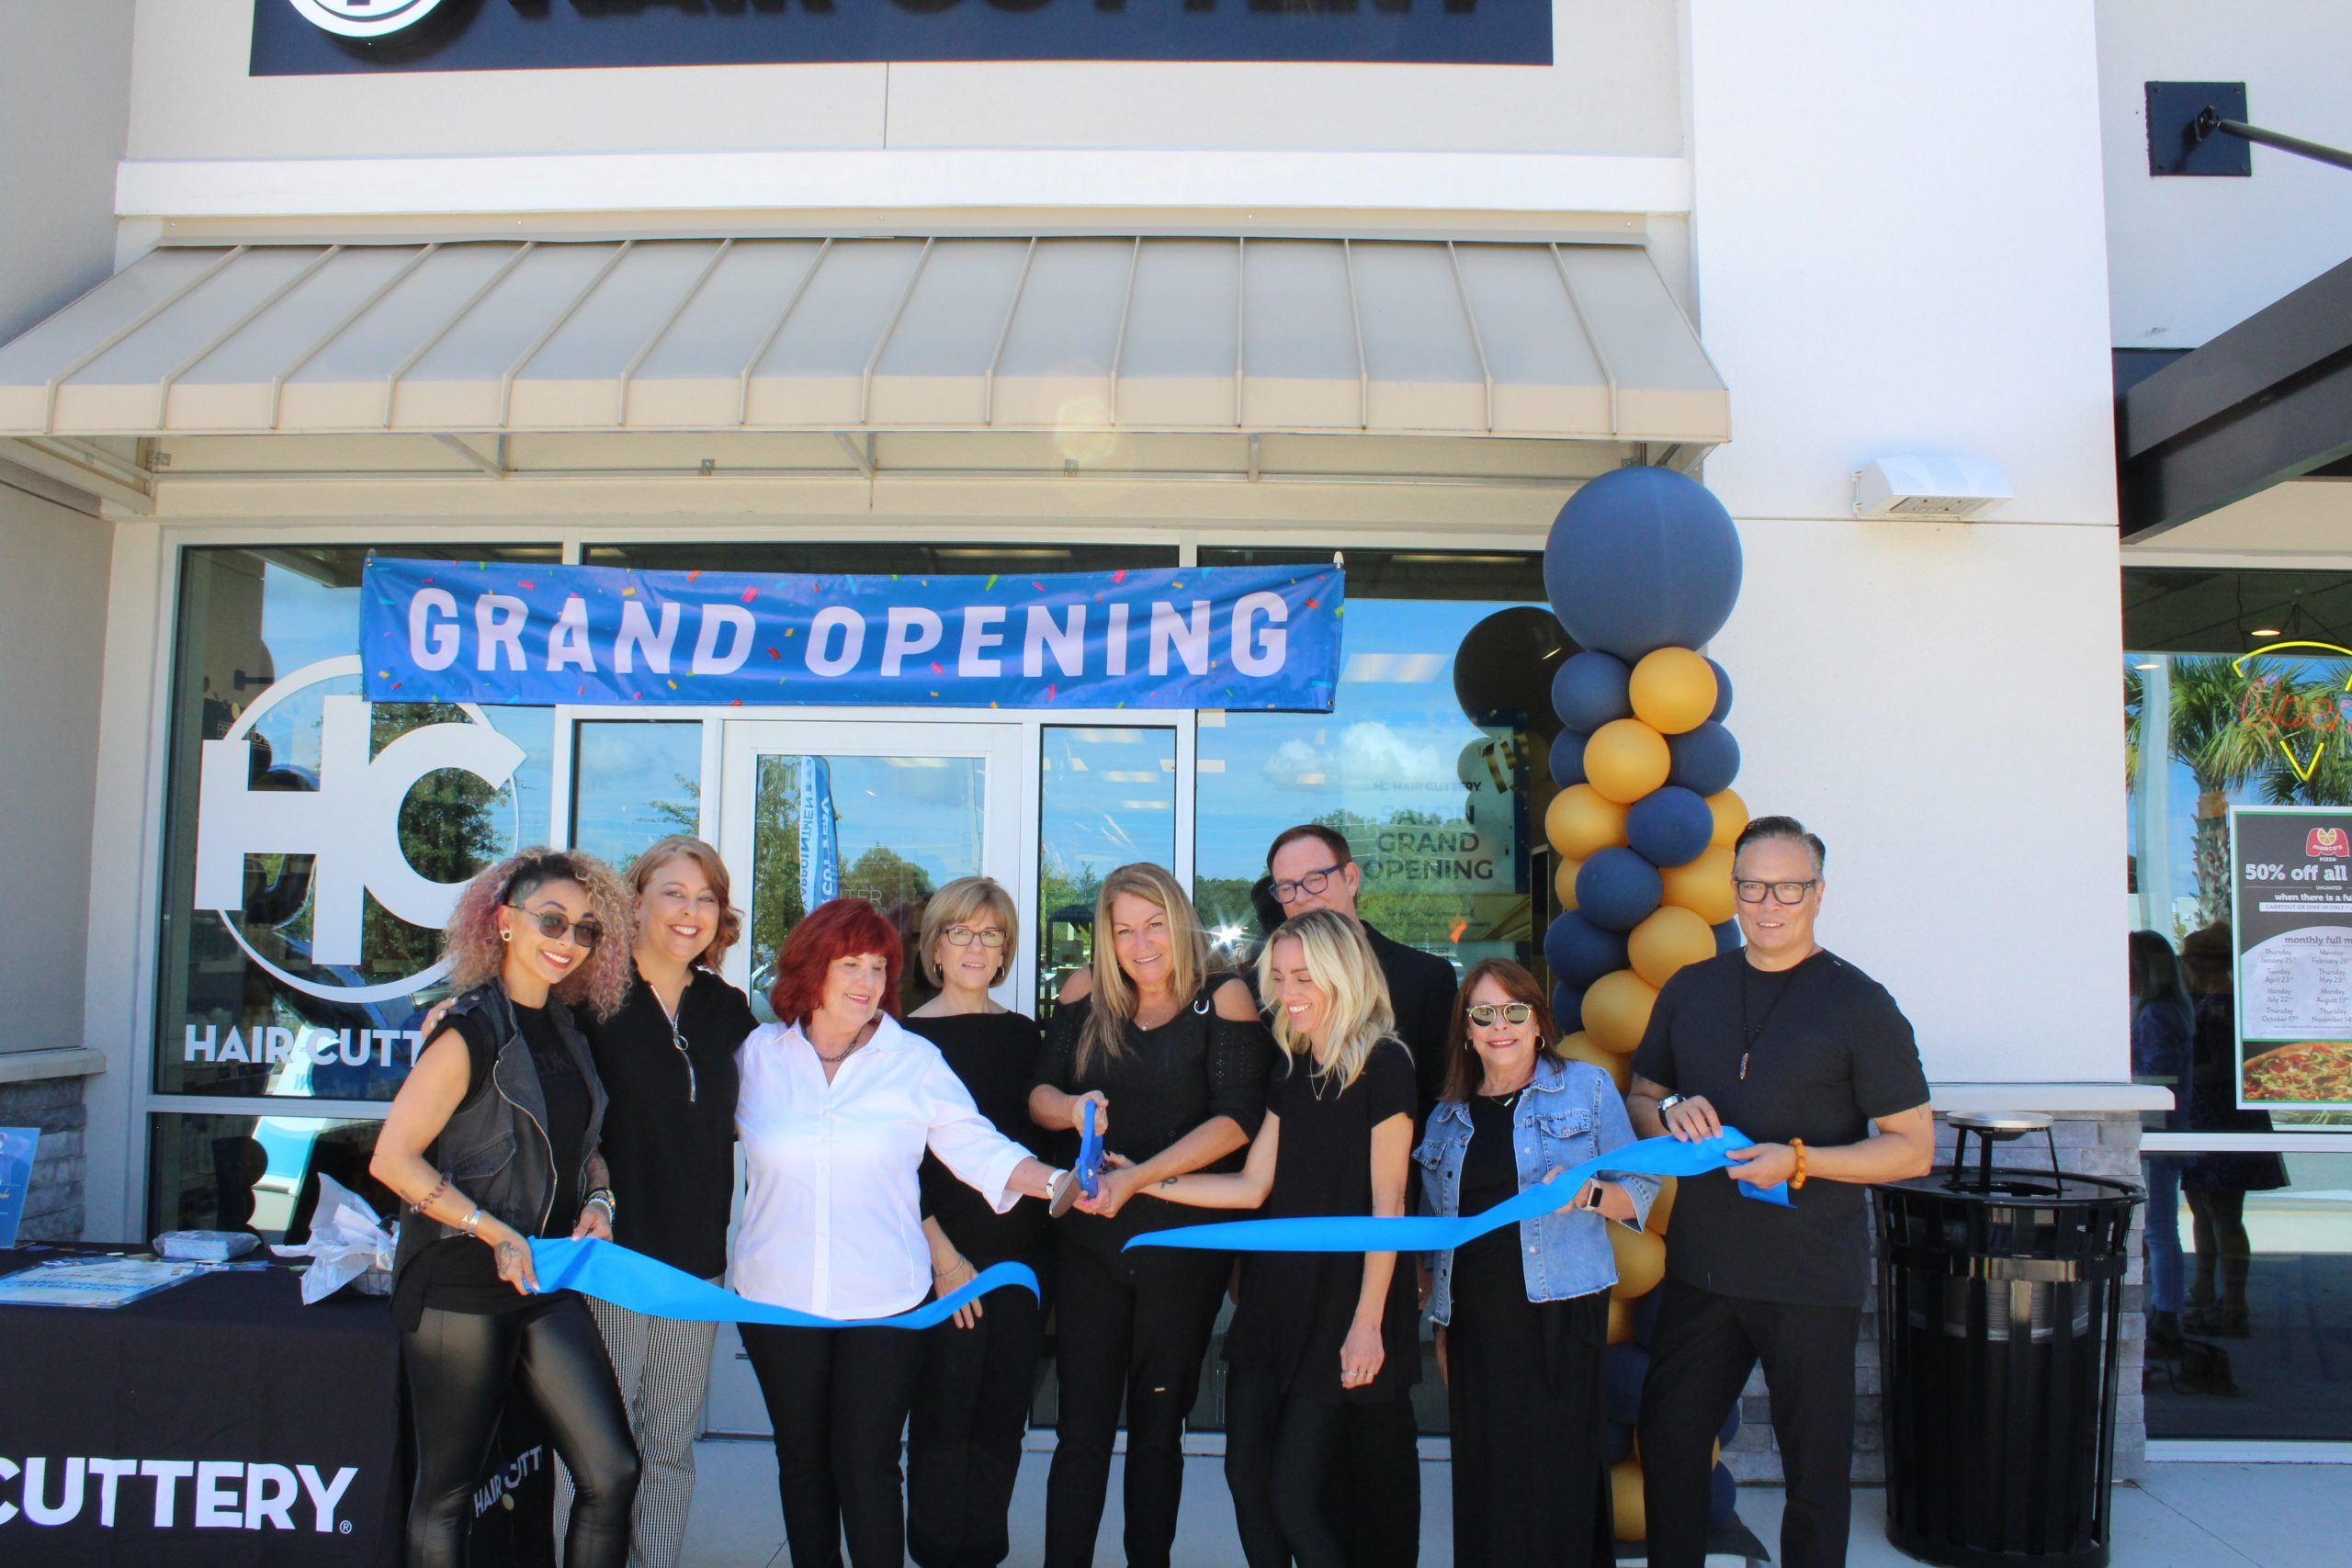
1176,637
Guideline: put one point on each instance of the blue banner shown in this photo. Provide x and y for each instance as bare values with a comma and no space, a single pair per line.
309,38
820,854
1175,637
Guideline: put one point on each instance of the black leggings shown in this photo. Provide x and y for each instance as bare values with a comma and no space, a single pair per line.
964,1442
838,1399
460,1365
1279,1453
1132,1326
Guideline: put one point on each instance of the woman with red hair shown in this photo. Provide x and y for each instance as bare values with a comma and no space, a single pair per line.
837,1105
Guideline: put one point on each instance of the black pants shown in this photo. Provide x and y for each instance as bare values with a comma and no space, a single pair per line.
1132,1326
1375,1492
1281,1452
1699,1357
971,1410
838,1399
459,1366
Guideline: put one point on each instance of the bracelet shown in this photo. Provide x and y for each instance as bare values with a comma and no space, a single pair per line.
1797,1181
471,1224
426,1202
603,1195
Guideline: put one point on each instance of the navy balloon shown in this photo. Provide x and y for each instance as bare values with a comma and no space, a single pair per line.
1567,1008
1727,937
1580,952
1617,1444
1730,1429
1642,559
1618,889
1722,1496
1723,692
1645,1315
1704,761
1670,825
1623,1369
1590,689
1567,758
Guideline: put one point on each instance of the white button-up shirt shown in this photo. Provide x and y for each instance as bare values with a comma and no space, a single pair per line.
831,1218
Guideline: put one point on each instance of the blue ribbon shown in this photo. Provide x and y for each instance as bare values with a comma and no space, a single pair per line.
1430,1232
611,1273
1089,1157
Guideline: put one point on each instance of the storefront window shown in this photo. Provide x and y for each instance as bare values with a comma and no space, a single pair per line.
313,837
255,1173
905,559
633,781
1436,809
1106,798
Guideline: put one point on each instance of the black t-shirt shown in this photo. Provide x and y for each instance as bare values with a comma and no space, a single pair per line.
459,1274
1489,1175
992,1054
1421,991
1827,1052
1165,1083
1296,1307
670,1125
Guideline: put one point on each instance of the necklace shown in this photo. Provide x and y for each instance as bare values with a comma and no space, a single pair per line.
1753,1031
845,1053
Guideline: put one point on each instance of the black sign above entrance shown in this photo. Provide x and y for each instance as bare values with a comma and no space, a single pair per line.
311,37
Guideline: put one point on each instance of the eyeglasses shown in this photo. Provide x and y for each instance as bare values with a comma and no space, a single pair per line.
1313,881
1485,1014
556,926
1751,891
965,936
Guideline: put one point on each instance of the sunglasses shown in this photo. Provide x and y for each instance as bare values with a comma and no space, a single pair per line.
555,925
1486,1013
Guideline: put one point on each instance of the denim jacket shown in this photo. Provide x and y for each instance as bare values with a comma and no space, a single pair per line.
1570,1114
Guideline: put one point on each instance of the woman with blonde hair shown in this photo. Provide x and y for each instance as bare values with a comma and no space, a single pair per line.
494,1139
667,1058
1174,1059
1315,1332
979,1371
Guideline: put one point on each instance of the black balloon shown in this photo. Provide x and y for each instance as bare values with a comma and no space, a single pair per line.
1502,672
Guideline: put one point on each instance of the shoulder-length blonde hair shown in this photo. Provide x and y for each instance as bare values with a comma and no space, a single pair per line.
1340,963
1114,995
685,846
470,940
956,905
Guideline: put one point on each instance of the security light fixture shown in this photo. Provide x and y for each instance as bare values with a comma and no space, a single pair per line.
1948,490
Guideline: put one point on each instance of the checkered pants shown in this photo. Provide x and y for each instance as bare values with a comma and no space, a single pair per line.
663,1366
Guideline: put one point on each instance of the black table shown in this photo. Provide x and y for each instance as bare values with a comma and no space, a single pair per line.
223,1421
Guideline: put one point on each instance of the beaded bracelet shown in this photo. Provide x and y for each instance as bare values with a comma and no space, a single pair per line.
426,1202
1797,1179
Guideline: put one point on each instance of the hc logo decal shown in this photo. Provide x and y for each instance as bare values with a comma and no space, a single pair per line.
364,19
350,824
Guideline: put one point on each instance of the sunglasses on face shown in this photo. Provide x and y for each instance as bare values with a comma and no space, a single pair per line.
1485,1014
555,925
1751,891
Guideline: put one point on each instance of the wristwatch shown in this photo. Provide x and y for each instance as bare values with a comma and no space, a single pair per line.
1669,1102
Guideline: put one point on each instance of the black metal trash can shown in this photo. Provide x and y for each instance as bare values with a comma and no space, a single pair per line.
2001,1299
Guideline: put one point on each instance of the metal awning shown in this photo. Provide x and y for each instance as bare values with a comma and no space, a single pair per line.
859,335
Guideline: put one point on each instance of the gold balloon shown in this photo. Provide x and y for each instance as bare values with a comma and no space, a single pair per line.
1616,1010
1625,759
1641,1261
1621,1322
1564,880
1670,938
1673,691
1662,1206
1731,816
1704,886
1581,1047
1626,1500
1581,819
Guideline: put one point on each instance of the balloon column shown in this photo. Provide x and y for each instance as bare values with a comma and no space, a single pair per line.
1643,567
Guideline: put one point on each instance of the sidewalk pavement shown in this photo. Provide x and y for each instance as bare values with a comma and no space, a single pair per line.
2183,1516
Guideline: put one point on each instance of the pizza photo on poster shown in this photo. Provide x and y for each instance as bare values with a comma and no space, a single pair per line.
2290,869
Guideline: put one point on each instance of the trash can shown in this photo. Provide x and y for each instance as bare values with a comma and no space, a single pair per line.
2000,1300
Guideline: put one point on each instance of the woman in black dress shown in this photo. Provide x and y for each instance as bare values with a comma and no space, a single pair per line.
979,1372
1315,1332
1174,1061
1524,1310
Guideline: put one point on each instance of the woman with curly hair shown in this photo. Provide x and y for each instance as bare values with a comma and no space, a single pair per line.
838,1105
667,1059
494,1140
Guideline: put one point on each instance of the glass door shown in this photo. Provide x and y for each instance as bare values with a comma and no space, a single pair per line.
885,811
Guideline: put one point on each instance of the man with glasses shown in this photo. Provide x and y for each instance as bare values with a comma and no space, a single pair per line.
1805,1053
1376,1487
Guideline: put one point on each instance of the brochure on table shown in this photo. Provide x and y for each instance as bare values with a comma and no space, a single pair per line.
94,1282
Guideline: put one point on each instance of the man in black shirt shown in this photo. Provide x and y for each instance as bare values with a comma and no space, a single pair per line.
1805,1053
1376,1487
